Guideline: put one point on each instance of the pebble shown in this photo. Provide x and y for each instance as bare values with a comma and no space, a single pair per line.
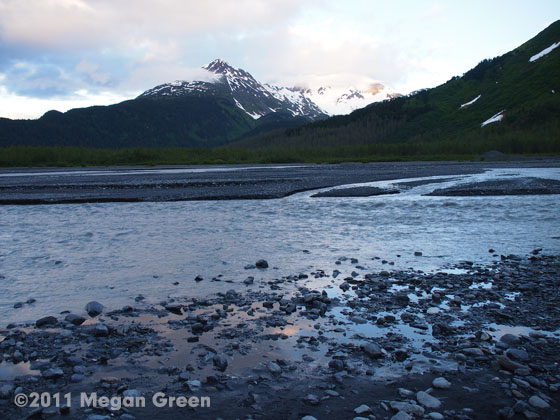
518,354
311,399
75,319
373,350
261,264
409,408
274,368
194,385
441,383
94,308
427,400
435,415
538,402
132,393
362,409
401,415
53,373
46,321
6,391
220,362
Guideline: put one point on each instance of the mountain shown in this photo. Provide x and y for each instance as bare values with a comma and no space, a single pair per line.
252,97
511,102
340,94
226,106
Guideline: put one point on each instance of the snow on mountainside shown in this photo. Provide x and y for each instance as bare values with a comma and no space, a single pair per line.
321,96
252,97
343,93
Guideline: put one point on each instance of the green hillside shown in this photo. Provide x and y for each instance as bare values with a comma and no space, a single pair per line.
529,92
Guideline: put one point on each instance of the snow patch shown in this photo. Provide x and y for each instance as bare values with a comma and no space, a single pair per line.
253,116
544,52
471,102
495,118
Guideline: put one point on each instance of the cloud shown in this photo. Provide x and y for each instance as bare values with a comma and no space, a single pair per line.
80,24
51,49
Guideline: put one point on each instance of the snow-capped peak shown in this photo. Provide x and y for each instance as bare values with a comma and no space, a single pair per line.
316,98
343,93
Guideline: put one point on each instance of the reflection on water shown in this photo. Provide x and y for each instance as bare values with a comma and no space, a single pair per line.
9,371
67,255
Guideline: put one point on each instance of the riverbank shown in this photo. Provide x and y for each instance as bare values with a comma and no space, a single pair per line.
227,182
318,343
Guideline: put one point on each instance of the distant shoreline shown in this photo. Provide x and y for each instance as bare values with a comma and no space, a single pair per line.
168,184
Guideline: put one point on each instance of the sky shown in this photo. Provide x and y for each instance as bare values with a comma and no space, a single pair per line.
63,54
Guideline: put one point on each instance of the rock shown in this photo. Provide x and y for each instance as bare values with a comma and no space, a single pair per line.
249,280
373,350
311,399
441,383
6,391
417,253
53,373
101,330
518,354
175,308
75,319
194,385
308,418
197,327
538,402
336,364
77,377
132,393
46,321
401,415
473,351
405,393
220,362
261,264
94,308
274,368
435,415
508,364
531,415
506,413
510,339
408,408
332,393
198,278
427,400
363,409
18,305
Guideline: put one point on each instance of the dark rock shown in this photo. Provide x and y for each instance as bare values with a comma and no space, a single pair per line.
508,364
261,264
220,362
518,354
53,373
46,321
75,319
101,330
336,364
373,350
94,308
175,308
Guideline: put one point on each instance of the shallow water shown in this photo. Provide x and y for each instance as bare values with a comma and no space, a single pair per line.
66,255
